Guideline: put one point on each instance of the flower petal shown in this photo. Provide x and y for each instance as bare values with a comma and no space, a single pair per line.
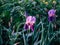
28,19
32,27
51,18
51,12
26,26
33,20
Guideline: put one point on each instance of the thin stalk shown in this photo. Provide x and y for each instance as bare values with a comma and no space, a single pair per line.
49,30
24,39
42,35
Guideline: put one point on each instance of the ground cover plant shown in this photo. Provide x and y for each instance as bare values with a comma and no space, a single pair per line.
29,22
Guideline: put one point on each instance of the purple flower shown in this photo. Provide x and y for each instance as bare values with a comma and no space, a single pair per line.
51,15
29,24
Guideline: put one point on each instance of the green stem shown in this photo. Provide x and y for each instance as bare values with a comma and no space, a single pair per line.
24,39
42,36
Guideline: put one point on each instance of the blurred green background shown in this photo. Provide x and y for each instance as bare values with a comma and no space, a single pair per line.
12,21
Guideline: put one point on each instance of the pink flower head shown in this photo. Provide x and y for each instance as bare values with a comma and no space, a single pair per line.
30,20
51,15
51,12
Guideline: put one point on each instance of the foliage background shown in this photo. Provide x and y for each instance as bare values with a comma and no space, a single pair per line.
12,21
